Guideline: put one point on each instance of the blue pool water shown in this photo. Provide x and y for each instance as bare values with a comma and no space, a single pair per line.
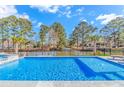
2,56
62,68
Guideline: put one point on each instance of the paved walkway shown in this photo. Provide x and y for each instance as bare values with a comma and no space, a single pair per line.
61,83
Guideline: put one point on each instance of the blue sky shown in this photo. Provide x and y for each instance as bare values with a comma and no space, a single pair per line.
68,16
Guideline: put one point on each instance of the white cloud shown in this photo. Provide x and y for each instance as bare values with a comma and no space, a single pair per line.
24,15
107,18
46,8
36,24
7,10
60,10
39,24
80,10
83,19
69,13
66,13
92,22
68,7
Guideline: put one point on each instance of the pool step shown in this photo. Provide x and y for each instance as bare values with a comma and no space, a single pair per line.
114,76
9,59
84,68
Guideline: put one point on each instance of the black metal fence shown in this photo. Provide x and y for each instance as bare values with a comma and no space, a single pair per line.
70,52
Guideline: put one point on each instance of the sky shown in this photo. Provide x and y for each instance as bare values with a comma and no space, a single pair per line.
68,16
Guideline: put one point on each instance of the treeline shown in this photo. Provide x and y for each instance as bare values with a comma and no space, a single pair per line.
110,35
18,31
15,32
85,35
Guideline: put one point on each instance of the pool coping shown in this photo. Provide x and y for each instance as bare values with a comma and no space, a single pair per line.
61,56
62,83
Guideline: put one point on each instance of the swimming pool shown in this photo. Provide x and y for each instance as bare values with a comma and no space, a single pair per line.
3,56
62,68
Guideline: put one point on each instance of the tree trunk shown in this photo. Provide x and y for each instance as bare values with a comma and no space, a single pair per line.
2,40
110,44
8,44
77,43
13,44
115,43
2,44
94,50
82,41
16,48
42,47
25,46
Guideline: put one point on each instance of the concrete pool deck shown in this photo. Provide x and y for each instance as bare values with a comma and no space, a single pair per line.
62,83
